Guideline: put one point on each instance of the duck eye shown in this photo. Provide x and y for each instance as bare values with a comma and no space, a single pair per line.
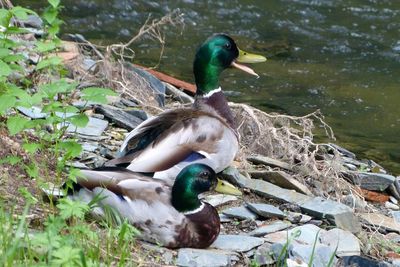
228,46
204,174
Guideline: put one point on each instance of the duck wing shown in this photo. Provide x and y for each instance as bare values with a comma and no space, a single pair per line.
169,138
125,183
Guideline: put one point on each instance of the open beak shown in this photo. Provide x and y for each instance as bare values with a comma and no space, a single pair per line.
245,57
227,188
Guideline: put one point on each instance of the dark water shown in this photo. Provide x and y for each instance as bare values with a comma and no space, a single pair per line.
340,56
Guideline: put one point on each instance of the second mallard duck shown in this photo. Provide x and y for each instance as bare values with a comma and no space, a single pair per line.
172,217
205,133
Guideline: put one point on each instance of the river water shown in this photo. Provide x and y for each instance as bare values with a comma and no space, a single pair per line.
339,56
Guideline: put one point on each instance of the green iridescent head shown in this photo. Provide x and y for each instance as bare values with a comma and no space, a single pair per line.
196,179
216,54
192,181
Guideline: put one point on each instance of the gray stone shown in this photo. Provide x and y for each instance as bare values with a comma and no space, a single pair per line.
258,159
381,221
393,200
373,181
295,217
95,127
391,206
281,179
337,213
232,175
270,228
89,64
119,117
141,114
354,201
238,243
265,210
396,216
362,262
350,166
177,94
203,258
346,243
321,256
223,218
242,213
90,147
343,151
32,112
219,199
154,84
264,255
306,234
33,21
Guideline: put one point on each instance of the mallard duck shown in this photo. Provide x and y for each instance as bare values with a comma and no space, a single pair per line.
169,216
205,133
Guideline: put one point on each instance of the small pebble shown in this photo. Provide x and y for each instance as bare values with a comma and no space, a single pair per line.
392,206
394,200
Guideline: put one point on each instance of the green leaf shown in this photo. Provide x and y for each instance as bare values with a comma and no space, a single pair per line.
80,120
6,102
54,3
5,17
97,94
27,195
50,14
61,86
4,52
13,58
5,70
16,30
21,13
11,160
69,208
66,256
32,170
31,147
72,148
16,124
45,46
51,61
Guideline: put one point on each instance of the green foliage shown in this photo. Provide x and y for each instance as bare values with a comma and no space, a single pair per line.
69,208
65,239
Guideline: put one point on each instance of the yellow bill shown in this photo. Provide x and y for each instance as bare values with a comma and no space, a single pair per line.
245,57
227,188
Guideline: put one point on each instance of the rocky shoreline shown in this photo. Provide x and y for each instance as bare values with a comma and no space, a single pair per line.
278,216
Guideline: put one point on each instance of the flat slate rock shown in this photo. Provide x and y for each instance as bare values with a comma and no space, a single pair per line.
270,228
203,258
120,117
219,199
347,244
258,159
95,127
361,261
339,214
374,181
380,220
32,112
321,257
154,84
238,243
264,255
281,179
232,175
265,210
177,94
241,213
